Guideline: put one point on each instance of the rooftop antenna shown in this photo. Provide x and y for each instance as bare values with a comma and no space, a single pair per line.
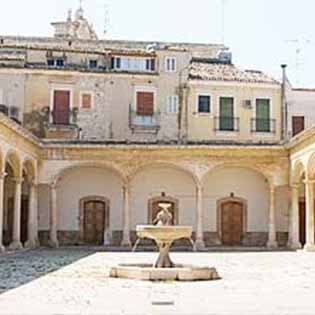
299,47
106,19
223,6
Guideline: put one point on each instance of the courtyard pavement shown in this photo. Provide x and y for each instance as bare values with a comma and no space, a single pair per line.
75,281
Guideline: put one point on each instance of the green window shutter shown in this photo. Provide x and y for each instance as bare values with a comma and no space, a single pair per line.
226,114
263,115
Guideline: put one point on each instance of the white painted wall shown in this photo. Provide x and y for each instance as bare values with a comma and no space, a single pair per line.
152,182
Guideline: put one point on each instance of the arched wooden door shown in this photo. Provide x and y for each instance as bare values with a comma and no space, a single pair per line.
94,222
232,223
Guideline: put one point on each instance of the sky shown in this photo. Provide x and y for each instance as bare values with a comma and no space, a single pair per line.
262,34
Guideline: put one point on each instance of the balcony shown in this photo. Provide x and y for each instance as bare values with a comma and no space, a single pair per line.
144,123
226,124
261,125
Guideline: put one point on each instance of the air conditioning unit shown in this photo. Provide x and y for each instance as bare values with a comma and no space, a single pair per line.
247,104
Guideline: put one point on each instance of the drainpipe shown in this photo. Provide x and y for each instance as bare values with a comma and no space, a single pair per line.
284,105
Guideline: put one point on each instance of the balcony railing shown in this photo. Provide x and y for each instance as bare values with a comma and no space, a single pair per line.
226,124
150,123
263,125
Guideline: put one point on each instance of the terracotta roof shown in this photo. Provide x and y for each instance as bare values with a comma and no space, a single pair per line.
222,71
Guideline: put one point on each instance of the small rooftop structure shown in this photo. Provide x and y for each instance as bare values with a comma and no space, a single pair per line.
79,28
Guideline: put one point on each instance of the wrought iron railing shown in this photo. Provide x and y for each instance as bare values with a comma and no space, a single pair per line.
263,125
144,122
226,124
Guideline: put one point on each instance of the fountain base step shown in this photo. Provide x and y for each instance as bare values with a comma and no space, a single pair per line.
178,273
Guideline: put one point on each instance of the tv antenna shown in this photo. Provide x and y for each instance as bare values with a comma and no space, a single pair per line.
106,19
299,47
223,7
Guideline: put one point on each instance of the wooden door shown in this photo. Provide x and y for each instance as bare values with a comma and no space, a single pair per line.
24,219
8,233
302,223
94,222
61,112
232,223
145,103
156,209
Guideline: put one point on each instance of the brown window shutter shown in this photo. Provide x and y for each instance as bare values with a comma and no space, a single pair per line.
86,101
297,124
145,103
61,111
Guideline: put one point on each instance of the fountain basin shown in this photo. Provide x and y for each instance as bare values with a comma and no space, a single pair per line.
164,234
150,273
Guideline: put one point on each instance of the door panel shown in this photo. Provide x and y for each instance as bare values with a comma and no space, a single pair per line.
94,222
232,223
61,112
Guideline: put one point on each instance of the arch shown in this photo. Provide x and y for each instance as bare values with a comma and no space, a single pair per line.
237,165
65,171
297,172
169,165
14,160
163,198
82,203
225,200
29,168
310,167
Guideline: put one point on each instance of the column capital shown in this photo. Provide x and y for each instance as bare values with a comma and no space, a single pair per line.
309,181
53,185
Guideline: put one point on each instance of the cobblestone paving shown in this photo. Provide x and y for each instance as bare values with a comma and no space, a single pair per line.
75,281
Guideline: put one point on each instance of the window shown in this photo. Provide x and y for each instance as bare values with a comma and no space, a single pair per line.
60,62
204,103
86,100
226,119
93,64
145,103
298,124
263,122
172,104
133,64
170,64
50,62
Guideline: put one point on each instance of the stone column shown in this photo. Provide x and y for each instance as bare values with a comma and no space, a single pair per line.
2,176
16,242
294,236
53,220
199,243
126,213
32,217
309,198
272,241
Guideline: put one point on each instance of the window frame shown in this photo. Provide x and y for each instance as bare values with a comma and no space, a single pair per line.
145,89
271,115
81,100
168,105
170,58
96,63
210,104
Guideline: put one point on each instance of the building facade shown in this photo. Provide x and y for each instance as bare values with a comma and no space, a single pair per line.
96,133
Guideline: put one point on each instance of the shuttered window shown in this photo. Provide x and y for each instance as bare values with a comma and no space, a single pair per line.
226,113
145,103
297,124
86,101
263,115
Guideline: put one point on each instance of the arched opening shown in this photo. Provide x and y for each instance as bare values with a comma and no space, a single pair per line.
94,220
154,208
89,199
163,183
236,203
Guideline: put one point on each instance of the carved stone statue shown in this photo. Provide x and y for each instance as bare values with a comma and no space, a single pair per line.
164,217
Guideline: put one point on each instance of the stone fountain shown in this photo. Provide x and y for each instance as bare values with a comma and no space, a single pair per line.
164,234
